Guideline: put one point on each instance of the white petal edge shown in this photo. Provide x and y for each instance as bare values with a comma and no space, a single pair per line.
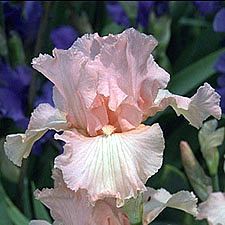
73,208
195,109
44,118
39,222
117,165
155,201
213,209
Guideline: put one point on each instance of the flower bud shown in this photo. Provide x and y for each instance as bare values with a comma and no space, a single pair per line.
210,139
200,182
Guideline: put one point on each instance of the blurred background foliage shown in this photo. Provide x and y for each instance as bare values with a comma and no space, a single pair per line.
191,43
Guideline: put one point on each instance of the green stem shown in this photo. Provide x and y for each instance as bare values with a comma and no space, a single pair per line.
215,183
38,47
32,90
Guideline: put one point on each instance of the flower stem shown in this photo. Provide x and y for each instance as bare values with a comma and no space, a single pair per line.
32,90
38,47
215,183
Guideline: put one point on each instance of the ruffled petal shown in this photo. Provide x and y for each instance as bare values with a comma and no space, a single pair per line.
195,109
44,118
155,201
69,207
213,209
115,165
92,71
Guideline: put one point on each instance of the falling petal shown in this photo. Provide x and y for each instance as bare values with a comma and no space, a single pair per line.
44,118
195,109
117,165
213,209
155,201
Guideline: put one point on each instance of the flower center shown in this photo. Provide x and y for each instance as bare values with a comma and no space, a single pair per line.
108,130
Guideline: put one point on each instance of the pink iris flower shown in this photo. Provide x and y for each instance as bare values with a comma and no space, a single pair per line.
104,88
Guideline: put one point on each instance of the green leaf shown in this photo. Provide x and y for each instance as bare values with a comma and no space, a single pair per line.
170,178
8,169
111,28
130,8
161,29
26,199
5,220
39,210
194,75
13,212
3,44
17,55
194,22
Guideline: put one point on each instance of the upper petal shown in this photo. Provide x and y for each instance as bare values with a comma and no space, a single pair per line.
116,165
73,208
195,109
155,201
44,117
213,209
116,68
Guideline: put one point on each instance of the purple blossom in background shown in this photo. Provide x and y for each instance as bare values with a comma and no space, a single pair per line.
44,97
13,17
220,64
24,20
14,88
161,7
63,37
144,9
117,13
46,94
221,90
207,7
219,26
32,15
219,21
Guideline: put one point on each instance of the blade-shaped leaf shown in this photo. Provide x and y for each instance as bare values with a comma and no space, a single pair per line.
194,75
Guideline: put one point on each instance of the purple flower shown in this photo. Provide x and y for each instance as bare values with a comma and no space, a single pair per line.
161,7
32,15
221,90
13,17
63,37
119,16
144,9
219,26
117,13
24,20
219,21
206,7
46,95
13,91
220,64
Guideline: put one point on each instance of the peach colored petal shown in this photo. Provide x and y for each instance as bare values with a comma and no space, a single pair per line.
116,165
44,118
118,69
213,209
155,201
72,208
195,109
